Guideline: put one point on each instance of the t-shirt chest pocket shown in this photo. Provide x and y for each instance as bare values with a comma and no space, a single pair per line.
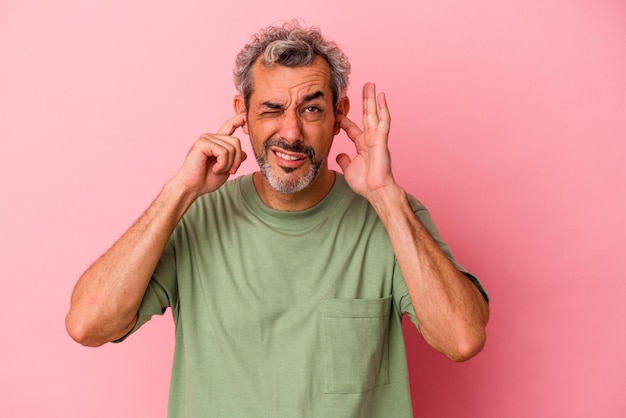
355,348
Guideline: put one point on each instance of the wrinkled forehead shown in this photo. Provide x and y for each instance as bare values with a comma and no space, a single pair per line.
278,80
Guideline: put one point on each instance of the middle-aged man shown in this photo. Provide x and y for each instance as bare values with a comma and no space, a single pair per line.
288,285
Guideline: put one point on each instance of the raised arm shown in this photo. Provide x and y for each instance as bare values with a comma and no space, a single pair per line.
450,310
106,298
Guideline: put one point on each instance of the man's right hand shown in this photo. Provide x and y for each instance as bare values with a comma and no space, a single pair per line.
106,299
213,158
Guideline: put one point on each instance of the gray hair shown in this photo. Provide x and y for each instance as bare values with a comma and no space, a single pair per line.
291,45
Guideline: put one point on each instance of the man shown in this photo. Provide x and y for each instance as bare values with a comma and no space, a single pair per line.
287,286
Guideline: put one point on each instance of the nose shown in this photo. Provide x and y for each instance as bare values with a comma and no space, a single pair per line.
291,126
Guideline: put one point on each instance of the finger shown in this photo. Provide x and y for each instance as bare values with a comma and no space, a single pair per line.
351,128
343,160
384,122
236,154
221,151
225,158
370,107
231,125
240,157
232,155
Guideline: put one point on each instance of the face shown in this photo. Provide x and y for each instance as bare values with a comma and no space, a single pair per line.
291,122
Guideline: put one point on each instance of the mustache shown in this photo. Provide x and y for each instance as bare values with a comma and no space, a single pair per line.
295,147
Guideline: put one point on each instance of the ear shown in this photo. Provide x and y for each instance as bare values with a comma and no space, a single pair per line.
343,106
240,107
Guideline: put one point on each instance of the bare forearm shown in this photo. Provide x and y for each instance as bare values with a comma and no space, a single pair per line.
449,308
107,296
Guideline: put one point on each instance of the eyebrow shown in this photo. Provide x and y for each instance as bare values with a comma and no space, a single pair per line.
312,96
307,98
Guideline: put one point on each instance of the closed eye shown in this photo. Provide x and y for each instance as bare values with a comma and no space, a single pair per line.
270,113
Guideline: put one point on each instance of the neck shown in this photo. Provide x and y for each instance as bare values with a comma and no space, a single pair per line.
292,202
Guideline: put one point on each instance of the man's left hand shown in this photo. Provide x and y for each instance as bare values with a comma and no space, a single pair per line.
369,172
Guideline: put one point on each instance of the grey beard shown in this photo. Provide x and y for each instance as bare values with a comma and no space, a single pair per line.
289,186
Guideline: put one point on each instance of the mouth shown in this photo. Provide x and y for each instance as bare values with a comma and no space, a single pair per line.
289,160
288,156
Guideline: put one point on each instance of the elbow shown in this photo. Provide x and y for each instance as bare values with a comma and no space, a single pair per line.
470,338
459,346
467,346
80,332
94,333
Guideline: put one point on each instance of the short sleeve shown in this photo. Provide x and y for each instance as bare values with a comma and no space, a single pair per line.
161,292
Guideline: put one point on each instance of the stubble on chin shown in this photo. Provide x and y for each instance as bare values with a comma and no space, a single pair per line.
288,185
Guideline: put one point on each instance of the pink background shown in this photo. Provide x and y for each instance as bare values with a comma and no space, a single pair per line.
509,123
